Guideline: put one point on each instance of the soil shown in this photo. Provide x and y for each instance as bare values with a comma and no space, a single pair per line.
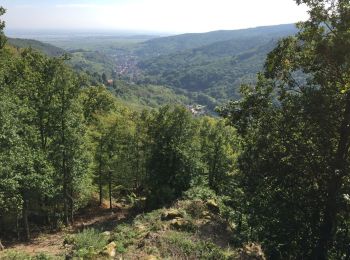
93,216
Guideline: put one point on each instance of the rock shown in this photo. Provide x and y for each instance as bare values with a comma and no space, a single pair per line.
151,236
213,206
110,249
180,224
151,257
141,227
106,233
252,251
206,215
171,214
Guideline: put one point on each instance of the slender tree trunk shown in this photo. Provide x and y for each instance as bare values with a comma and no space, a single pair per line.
110,189
25,219
212,171
138,172
17,226
64,166
71,206
65,190
328,227
100,175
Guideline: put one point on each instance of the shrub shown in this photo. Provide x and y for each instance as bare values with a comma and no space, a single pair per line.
124,236
179,245
89,243
201,193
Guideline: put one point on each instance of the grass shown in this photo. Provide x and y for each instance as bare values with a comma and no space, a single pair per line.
16,255
150,235
88,243
181,245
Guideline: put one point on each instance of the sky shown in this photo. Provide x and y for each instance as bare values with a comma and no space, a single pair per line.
173,16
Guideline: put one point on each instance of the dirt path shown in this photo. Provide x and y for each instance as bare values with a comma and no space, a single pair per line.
52,243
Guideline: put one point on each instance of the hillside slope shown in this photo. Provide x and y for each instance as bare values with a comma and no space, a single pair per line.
171,44
46,48
214,63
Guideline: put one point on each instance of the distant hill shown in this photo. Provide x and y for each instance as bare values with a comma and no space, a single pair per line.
46,48
214,63
80,59
171,44
203,68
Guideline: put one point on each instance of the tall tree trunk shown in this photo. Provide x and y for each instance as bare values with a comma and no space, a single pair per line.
212,170
110,189
328,226
65,190
25,219
64,163
100,175
71,206
17,225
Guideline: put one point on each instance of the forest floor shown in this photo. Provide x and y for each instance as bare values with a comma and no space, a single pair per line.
52,243
188,229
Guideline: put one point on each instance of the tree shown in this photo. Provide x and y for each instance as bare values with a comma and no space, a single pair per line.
217,144
295,125
2,26
25,172
174,154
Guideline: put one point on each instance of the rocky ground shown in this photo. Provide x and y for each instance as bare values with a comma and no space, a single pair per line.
190,229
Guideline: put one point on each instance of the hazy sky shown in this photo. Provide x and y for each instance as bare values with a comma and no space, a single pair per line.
150,15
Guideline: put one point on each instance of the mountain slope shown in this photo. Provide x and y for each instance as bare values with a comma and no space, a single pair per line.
46,48
171,44
216,69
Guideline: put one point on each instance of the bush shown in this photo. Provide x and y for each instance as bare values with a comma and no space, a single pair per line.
200,193
178,245
124,236
89,243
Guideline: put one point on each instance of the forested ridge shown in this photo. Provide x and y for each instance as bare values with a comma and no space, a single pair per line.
268,179
213,63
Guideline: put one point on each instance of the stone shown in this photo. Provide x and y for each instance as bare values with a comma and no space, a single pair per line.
106,233
110,249
171,214
252,251
213,206
180,224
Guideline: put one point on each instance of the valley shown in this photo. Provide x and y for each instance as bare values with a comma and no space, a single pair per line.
215,145
206,68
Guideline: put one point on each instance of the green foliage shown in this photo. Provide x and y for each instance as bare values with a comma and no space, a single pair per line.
42,146
89,243
295,159
16,255
174,154
200,192
172,44
45,48
219,149
94,63
178,245
148,96
124,236
213,63
2,26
